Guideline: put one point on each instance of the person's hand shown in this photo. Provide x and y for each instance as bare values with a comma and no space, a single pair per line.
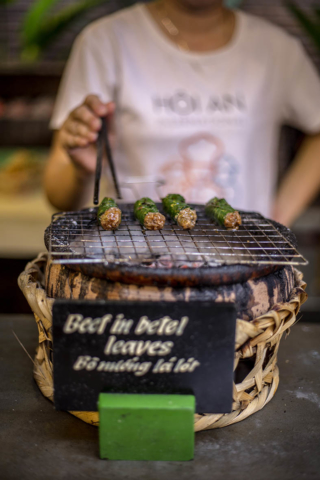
79,133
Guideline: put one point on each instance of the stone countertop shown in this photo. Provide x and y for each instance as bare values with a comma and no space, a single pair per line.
281,442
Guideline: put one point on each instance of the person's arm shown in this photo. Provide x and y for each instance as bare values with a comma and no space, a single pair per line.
301,183
69,173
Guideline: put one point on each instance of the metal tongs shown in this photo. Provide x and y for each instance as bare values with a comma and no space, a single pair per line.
104,145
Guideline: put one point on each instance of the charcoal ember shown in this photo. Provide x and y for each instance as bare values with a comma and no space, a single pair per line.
166,261
191,264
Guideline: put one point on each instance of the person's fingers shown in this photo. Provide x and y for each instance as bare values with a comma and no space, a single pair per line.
70,141
111,107
83,124
99,108
94,103
85,115
77,128
91,111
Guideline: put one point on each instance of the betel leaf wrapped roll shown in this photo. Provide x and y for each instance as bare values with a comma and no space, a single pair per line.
175,206
109,214
146,211
219,209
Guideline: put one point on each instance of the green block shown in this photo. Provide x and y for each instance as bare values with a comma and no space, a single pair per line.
146,427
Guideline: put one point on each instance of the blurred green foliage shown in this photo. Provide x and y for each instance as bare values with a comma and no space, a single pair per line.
233,3
41,26
309,22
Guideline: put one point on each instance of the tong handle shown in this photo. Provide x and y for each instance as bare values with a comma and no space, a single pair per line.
97,176
110,157
103,143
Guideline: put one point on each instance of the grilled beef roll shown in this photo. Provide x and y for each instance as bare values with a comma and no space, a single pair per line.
175,206
218,209
109,214
146,211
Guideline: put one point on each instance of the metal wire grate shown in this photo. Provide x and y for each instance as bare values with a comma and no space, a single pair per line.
75,237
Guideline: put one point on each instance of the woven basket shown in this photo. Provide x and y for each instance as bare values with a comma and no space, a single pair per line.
257,340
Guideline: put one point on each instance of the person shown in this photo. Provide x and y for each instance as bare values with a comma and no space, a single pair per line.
194,96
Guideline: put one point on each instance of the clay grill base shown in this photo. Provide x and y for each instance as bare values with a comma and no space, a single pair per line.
257,344
253,297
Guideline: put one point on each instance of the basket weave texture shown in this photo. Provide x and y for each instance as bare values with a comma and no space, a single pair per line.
257,340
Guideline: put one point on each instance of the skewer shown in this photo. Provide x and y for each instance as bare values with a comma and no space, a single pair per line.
103,142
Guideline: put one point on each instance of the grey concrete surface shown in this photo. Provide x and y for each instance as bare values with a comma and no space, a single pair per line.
280,443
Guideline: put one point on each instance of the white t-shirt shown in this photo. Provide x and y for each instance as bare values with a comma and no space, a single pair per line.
206,123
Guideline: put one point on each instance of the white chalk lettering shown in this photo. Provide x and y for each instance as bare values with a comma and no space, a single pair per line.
84,325
94,363
164,367
72,323
158,365
183,366
166,348
110,342
137,347
182,326
121,325
163,326
81,362
75,322
104,322
143,369
94,325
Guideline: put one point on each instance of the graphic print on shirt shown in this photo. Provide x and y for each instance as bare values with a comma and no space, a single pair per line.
201,166
185,104
201,169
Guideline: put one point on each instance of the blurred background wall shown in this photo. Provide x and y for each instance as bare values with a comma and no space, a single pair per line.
34,46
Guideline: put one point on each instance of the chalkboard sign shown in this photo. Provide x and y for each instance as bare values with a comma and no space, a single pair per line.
143,347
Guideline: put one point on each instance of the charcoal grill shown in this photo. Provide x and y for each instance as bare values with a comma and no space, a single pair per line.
207,255
251,267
